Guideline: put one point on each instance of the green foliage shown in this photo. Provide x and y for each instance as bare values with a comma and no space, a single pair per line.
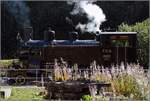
143,39
22,94
94,98
126,85
6,63
101,98
87,98
120,43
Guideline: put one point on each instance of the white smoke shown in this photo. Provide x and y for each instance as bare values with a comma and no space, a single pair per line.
20,11
93,12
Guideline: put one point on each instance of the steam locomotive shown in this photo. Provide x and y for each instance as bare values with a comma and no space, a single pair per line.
105,48
38,56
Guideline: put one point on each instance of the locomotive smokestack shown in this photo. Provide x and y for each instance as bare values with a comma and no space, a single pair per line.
97,35
49,34
73,36
28,33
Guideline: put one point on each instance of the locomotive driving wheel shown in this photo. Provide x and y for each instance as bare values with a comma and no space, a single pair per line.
20,80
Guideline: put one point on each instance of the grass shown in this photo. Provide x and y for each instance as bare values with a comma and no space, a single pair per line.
26,94
6,63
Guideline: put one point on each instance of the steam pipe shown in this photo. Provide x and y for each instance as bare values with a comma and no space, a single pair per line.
98,37
49,35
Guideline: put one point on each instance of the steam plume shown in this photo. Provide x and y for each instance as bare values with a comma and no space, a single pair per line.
69,21
93,12
20,11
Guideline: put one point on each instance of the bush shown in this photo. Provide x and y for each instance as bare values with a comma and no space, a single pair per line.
87,98
142,37
126,85
94,98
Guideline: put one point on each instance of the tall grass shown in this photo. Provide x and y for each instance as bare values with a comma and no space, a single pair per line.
130,80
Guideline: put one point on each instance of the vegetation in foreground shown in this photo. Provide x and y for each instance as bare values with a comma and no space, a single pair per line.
6,63
130,80
26,94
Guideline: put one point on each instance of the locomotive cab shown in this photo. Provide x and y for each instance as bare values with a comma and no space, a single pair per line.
119,47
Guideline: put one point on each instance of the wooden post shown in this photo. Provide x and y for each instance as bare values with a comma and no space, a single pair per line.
36,76
125,56
42,80
117,54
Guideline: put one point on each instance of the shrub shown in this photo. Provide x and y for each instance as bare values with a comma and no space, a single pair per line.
143,39
87,98
126,85
94,98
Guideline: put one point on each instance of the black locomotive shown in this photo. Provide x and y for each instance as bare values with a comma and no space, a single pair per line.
105,48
